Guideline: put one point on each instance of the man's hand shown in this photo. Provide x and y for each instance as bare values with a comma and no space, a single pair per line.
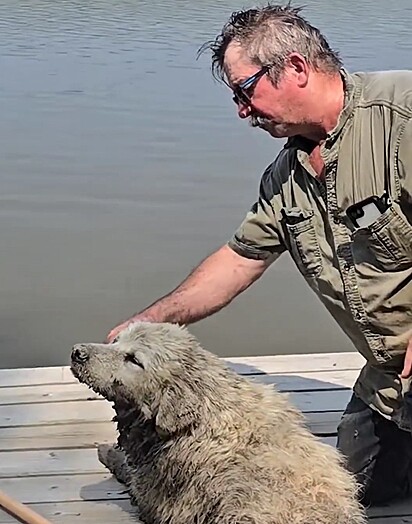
114,333
111,337
407,365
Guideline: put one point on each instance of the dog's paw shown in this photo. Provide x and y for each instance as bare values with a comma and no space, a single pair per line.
103,451
114,458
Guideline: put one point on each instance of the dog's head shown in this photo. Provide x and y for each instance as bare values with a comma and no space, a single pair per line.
158,368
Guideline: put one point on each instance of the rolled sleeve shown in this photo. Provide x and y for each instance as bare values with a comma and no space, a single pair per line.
258,235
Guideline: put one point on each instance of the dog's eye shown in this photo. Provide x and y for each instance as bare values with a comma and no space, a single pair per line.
132,358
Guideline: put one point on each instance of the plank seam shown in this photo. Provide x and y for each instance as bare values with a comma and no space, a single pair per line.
65,423
51,474
63,401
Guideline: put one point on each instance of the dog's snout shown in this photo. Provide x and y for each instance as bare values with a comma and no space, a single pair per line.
80,353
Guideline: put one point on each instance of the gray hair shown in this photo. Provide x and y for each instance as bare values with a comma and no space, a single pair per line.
269,35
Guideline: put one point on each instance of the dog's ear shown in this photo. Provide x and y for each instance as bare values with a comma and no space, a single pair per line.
178,410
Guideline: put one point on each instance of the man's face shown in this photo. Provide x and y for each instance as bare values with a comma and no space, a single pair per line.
276,109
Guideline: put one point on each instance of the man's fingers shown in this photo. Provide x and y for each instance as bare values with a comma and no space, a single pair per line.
115,332
110,337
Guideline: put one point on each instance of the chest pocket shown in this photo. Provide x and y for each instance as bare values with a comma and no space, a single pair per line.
386,243
304,246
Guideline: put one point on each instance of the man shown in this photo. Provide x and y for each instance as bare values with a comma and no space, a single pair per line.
339,198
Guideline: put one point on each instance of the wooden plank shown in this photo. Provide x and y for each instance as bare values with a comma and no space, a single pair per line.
49,462
331,441
56,462
324,423
102,512
398,519
86,435
101,410
319,401
67,488
41,375
122,512
61,436
296,363
74,487
307,362
311,381
44,393
396,510
67,412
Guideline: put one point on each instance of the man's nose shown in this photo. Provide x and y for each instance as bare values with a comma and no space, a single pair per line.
243,110
80,353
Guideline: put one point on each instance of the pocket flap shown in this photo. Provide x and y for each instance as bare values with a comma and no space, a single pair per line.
295,215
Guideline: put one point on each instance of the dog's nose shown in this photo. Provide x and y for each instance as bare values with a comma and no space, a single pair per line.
80,353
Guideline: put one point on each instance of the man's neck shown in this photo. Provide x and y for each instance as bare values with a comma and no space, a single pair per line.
329,100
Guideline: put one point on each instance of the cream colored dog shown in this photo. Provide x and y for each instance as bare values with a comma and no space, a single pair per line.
199,444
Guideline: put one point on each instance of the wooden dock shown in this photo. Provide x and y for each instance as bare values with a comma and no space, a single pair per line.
50,426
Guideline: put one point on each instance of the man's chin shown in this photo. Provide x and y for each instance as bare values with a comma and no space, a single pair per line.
274,129
277,130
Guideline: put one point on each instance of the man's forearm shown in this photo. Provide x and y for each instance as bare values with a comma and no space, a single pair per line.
210,287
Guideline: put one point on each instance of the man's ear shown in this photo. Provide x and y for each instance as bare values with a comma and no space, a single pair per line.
300,68
178,411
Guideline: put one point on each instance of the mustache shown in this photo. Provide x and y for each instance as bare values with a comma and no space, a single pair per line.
257,121
260,121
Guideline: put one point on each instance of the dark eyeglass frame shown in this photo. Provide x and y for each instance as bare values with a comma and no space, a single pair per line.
241,92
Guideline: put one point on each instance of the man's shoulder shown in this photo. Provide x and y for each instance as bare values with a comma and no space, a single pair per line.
278,171
385,87
281,170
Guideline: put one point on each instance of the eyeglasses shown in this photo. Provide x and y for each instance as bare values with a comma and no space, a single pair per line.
243,92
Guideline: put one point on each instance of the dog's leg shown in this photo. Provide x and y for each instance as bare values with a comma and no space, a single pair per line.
111,456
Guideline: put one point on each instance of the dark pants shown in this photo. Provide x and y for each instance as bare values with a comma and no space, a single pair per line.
377,451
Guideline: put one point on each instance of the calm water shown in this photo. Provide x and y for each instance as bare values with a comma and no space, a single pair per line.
123,164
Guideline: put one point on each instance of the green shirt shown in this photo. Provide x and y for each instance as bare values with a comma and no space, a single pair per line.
363,275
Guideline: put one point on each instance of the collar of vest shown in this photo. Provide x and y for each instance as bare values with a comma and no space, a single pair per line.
353,90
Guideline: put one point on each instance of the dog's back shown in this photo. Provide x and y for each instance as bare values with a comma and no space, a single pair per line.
250,461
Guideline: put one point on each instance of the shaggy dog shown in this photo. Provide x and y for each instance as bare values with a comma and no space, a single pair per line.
199,444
